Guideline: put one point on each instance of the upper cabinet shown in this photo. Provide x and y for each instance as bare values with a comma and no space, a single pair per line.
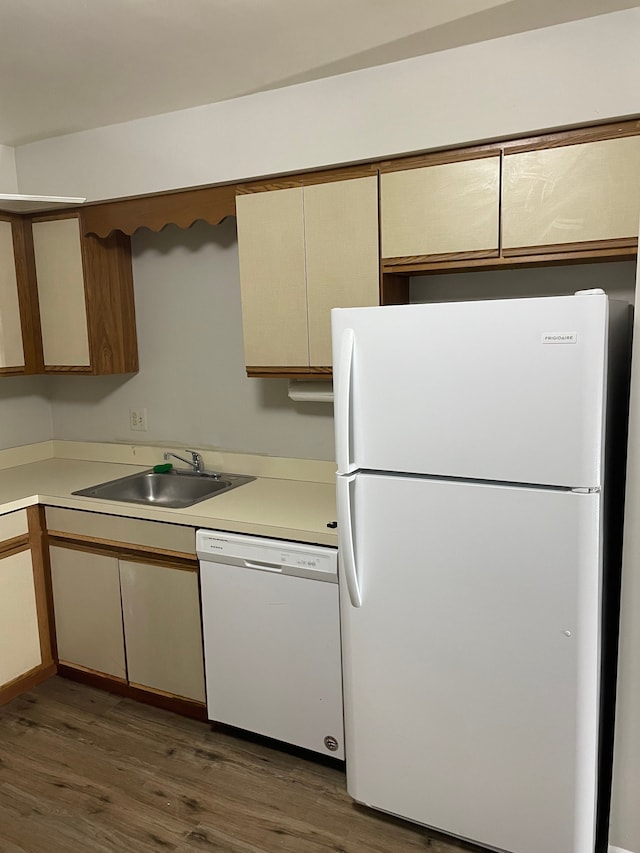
85,294
440,210
564,197
304,250
12,358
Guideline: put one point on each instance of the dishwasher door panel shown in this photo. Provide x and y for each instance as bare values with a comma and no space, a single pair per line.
272,654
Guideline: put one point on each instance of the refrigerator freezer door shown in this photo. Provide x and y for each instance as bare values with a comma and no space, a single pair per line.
509,390
471,668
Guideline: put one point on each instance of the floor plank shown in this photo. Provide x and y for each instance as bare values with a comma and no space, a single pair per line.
82,771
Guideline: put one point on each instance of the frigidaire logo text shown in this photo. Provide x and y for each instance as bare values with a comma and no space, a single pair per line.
559,337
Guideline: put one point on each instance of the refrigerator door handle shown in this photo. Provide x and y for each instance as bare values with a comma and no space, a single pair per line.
342,409
345,528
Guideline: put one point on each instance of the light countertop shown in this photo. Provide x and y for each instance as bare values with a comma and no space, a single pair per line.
283,508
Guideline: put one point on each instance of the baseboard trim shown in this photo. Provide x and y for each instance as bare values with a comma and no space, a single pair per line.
26,682
177,704
618,850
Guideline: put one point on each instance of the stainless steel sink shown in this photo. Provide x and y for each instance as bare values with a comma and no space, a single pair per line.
173,489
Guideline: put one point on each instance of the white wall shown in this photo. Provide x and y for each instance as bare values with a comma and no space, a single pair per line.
25,411
576,73
8,174
192,379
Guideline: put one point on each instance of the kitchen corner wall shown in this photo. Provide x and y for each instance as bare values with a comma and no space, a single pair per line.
8,175
192,379
25,411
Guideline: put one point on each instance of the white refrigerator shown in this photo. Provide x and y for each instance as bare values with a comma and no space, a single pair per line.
471,451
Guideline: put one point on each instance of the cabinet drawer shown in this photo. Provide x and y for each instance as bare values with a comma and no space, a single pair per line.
128,531
13,524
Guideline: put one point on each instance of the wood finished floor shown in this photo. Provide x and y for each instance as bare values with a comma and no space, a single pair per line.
83,771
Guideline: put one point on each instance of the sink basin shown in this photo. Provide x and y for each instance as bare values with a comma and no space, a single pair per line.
173,489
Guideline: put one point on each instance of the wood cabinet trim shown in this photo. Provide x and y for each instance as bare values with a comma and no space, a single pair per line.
308,179
28,295
613,246
394,289
575,136
516,261
439,158
415,260
280,372
14,546
122,550
185,707
42,582
182,208
111,323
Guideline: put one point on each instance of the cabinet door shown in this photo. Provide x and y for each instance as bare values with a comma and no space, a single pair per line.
572,194
11,348
441,209
88,611
163,636
272,278
19,635
61,293
341,238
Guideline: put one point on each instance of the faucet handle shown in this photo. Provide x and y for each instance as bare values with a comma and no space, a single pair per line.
198,465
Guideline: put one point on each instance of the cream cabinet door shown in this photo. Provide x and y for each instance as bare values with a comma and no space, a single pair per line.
61,293
571,194
19,635
163,635
272,278
341,239
88,612
441,209
11,349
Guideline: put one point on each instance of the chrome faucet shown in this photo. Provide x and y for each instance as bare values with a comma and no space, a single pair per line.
196,460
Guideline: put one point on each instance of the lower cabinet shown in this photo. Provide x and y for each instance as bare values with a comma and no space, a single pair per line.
88,613
25,646
129,619
19,634
163,636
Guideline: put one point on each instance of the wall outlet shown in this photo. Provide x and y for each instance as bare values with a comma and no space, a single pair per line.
138,419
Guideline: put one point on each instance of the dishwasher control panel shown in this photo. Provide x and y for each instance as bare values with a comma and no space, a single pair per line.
319,562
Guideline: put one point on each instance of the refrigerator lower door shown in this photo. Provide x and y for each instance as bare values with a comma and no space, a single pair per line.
471,666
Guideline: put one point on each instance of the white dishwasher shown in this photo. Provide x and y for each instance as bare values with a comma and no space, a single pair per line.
271,629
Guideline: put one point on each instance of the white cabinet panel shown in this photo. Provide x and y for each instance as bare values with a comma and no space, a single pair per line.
161,610
272,277
86,597
11,348
19,635
341,238
63,315
449,207
572,194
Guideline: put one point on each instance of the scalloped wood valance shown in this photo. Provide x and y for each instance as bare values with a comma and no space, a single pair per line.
211,204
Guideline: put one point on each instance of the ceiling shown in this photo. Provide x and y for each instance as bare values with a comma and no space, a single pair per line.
70,65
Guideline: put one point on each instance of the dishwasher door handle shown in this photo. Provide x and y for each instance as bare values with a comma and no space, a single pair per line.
263,567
